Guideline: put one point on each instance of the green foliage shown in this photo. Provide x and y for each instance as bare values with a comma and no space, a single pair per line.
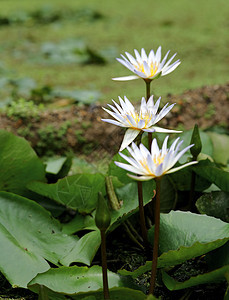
73,51
57,167
17,159
88,280
28,89
24,110
79,192
184,235
102,215
218,262
196,149
214,204
212,173
29,236
220,147
52,139
49,14
87,286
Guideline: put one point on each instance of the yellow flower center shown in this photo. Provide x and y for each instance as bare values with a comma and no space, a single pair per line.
153,68
138,117
157,160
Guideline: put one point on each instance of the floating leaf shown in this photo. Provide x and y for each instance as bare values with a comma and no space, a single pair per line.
29,236
207,147
84,250
220,147
182,180
19,164
209,171
168,194
57,168
77,280
218,261
184,235
119,293
211,277
79,192
214,204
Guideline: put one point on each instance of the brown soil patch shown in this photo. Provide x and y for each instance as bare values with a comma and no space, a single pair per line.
84,131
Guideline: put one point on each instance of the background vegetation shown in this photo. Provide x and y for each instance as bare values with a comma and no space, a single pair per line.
196,30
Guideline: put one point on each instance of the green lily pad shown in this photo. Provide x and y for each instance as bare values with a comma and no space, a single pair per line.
79,192
207,147
220,147
184,235
218,261
212,173
29,236
19,164
214,204
77,280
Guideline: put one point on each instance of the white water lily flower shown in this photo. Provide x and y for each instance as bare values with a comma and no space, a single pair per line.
147,67
136,121
156,163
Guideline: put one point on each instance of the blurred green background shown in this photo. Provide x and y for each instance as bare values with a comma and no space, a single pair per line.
73,44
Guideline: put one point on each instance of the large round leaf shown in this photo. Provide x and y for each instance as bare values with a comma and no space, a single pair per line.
212,173
220,147
207,146
79,192
19,164
77,280
184,235
218,263
84,250
28,236
215,204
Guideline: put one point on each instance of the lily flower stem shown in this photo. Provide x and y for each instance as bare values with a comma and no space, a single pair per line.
156,236
141,207
104,264
148,82
142,216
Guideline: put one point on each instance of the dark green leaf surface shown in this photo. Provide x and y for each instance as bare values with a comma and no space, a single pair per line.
215,204
79,192
214,276
220,147
209,171
29,237
184,235
84,250
218,261
207,147
19,164
77,280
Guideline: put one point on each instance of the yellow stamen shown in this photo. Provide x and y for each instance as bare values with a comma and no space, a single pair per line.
138,117
158,159
153,68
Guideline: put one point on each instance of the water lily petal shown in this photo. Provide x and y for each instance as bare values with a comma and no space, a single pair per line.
164,130
181,167
141,178
126,78
129,136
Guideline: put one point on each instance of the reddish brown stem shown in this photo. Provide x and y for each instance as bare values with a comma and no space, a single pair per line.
147,89
142,215
104,265
156,236
148,82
